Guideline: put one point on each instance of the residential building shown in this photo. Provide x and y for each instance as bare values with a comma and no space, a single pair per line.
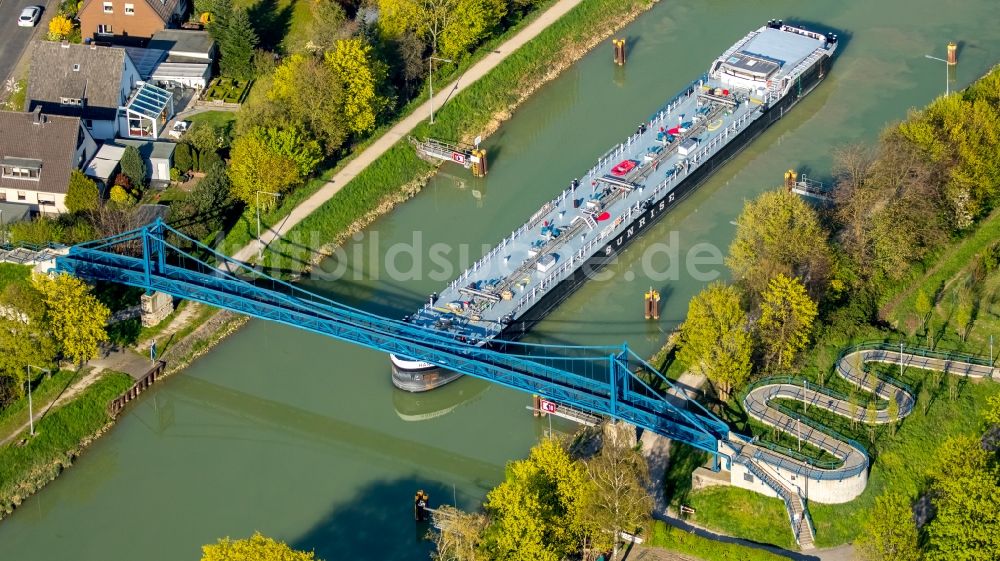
83,81
128,21
176,58
37,154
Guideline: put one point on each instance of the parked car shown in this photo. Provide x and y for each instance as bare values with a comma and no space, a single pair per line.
29,16
180,127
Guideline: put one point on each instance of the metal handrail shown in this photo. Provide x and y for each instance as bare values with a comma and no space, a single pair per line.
917,351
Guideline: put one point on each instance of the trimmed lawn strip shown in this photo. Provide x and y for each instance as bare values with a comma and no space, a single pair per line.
674,539
16,413
59,436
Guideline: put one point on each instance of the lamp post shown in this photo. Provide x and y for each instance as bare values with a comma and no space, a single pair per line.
947,88
260,243
31,415
430,80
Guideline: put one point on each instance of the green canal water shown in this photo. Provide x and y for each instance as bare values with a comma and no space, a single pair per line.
304,438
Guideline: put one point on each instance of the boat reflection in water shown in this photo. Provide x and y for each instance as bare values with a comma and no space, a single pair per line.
423,406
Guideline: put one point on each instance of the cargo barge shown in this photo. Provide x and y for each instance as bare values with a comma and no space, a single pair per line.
573,236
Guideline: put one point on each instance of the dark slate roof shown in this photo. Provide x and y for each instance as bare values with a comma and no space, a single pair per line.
96,79
52,140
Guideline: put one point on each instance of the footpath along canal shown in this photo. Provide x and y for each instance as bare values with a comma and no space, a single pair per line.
305,439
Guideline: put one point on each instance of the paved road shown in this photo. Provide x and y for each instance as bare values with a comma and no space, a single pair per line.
14,39
380,146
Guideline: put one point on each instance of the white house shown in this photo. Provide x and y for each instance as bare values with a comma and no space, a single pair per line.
84,81
38,153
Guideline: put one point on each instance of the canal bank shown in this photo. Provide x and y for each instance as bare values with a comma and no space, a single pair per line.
304,439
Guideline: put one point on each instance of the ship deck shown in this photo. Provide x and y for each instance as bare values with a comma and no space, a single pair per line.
644,168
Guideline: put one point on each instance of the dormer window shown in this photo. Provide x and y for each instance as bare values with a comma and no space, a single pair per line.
109,8
70,102
20,168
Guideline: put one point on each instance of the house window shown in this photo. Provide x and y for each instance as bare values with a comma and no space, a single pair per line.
3,195
70,102
18,172
46,200
109,8
104,29
748,477
130,9
22,196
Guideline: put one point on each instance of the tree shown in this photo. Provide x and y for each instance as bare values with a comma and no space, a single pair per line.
460,535
893,411
182,157
871,416
889,533
256,166
24,334
121,197
428,18
537,509
236,46
965,491
60,27
472,22
82,193
78,319
363,76
133,167
221,12
963,314
618,501
324,29
715,339
255,548
992,413
778,233
305,92
923,306
786,320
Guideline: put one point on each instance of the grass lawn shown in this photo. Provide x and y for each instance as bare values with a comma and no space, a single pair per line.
218,119
16,413
11,273
24,468
673,539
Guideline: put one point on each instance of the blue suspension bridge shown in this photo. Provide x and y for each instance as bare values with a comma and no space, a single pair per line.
606,380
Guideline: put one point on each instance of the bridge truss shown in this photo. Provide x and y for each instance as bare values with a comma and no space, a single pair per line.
606,380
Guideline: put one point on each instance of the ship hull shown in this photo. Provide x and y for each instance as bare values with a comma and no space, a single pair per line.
642,222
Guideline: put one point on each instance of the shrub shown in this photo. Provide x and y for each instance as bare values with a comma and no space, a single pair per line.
182,157
82,193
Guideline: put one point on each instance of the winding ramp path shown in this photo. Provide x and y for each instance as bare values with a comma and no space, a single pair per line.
851,457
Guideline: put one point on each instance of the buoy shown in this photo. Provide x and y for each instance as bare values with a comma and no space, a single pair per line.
952,53
619,51
652,299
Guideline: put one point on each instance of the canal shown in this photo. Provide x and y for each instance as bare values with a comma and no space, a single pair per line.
303,438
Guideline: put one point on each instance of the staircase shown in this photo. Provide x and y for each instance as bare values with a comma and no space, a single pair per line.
798,516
